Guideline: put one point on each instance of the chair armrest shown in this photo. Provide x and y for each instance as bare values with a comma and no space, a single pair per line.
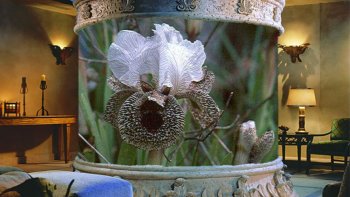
312,139
323,134
317,135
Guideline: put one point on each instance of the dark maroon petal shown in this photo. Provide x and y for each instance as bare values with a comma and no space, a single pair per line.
147,125
114,104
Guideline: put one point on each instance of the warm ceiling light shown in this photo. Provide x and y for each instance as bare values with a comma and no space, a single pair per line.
294,51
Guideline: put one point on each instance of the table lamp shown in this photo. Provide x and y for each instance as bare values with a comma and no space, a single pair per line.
301,98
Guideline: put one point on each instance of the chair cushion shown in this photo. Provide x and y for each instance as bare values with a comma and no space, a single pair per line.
12,179
5,169
333,147
341,129
86,185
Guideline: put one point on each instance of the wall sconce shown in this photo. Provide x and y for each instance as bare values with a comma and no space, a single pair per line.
61,54
294,51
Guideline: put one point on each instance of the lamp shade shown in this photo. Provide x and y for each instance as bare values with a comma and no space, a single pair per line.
301,97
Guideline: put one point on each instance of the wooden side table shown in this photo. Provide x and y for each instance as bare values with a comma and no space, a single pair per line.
298,140
61,123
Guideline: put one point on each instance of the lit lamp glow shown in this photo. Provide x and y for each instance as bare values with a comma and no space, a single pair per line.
301,98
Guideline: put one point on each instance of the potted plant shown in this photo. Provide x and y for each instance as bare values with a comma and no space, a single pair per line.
157,120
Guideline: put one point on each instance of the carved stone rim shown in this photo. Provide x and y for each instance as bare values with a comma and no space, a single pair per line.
152,172
257,12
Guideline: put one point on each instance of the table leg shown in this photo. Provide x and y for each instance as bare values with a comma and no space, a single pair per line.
66,141
299,151
55,142
284,149
21,157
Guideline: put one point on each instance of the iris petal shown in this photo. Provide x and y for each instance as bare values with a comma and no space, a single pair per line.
180,61
203,108
204,84
132,55
117,86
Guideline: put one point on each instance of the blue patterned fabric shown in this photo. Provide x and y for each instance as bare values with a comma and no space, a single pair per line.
87,185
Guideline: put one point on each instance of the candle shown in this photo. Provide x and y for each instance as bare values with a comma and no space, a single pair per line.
43,77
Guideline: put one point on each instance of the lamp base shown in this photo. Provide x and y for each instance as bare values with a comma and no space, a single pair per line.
302,132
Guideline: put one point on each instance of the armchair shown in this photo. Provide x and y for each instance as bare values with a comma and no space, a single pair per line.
338,145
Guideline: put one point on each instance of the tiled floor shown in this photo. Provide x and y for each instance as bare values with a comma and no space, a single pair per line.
312,185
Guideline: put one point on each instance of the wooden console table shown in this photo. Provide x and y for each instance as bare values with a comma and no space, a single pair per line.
293,140
61,123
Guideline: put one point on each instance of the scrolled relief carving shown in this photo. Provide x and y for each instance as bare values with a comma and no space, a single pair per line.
154,192
126,5
263,190
256,192
102,9
179,188
171,194
190,194
271,190
276,14
204,193
186,5
283,186
242,189
245,7
279,186
86,11
138,191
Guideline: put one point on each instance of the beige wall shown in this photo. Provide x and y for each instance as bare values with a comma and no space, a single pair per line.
325,65
25,33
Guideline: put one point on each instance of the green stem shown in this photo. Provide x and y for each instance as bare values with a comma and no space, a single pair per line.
195,154
155,157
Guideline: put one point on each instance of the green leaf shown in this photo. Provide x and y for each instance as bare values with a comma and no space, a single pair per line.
227,160
89,154
108,138
127,154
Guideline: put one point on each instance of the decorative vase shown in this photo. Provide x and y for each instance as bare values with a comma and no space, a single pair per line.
265,179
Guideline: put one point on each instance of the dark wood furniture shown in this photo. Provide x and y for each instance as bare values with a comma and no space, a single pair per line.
61,124
337,145
298,140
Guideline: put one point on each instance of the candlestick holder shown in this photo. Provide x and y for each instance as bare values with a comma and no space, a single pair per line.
43,87
24,90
